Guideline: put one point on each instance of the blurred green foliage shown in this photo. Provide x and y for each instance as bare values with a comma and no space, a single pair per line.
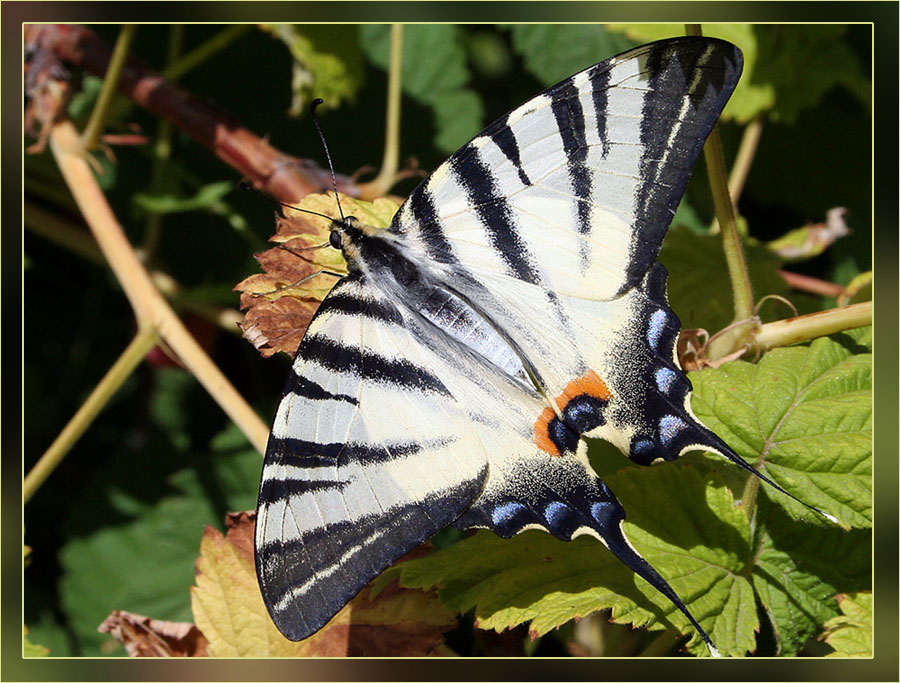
118,525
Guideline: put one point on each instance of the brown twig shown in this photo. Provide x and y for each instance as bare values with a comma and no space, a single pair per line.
285,177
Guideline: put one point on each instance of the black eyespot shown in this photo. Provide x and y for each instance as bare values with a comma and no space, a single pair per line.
335,239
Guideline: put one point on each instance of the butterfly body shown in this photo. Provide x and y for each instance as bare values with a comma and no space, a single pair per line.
513,308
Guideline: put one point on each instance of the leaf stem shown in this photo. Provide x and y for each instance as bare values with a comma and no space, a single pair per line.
742,163
731,244
135,352
95,125
386,177
149,305
813,325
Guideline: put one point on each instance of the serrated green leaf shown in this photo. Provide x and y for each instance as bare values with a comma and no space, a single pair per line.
552,52
434,74
802,416
700,545
800,568
850,634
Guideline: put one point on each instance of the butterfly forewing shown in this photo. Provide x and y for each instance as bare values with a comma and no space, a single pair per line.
369,455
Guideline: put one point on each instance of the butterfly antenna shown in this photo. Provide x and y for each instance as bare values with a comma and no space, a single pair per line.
312,112
244,185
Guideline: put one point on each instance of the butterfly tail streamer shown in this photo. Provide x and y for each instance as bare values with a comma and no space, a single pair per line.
721,448
614,538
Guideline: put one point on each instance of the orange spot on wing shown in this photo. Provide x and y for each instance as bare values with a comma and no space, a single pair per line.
542,432
590,384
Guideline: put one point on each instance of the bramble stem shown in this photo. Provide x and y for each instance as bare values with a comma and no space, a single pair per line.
149,305
382,183
734,254
813,325
95,125
731,242
740,169
82,419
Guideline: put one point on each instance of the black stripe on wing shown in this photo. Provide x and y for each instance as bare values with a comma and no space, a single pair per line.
302,453
306,388
369,366
569,115
307,580
493,211
699,72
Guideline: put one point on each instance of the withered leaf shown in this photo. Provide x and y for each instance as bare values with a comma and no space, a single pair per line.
299,272
229,610
146,637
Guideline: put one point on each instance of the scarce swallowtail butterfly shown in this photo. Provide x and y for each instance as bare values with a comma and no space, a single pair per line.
514,306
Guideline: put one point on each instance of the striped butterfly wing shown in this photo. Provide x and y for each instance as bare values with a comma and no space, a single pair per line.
551,220
369,455
514,305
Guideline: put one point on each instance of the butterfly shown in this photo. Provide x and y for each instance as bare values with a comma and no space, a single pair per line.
514,307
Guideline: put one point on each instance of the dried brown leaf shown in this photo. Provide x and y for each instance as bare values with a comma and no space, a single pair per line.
299,272
229,609
146,637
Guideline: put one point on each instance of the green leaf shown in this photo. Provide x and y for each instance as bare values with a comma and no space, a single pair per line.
698,275
850,634
327,63
827,62
553,52
699,545
802,416
145,563
434,74
799,570
30,649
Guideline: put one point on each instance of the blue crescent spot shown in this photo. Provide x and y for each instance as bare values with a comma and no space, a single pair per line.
602,511
641,446
669,426
504,513
665,378
655,328
555,511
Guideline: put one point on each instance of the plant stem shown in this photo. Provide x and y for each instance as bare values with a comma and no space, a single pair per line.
731,242
742,163
813,325
734,254
63,233
95,125
201,53
149,305
135,352
382,183
162,151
